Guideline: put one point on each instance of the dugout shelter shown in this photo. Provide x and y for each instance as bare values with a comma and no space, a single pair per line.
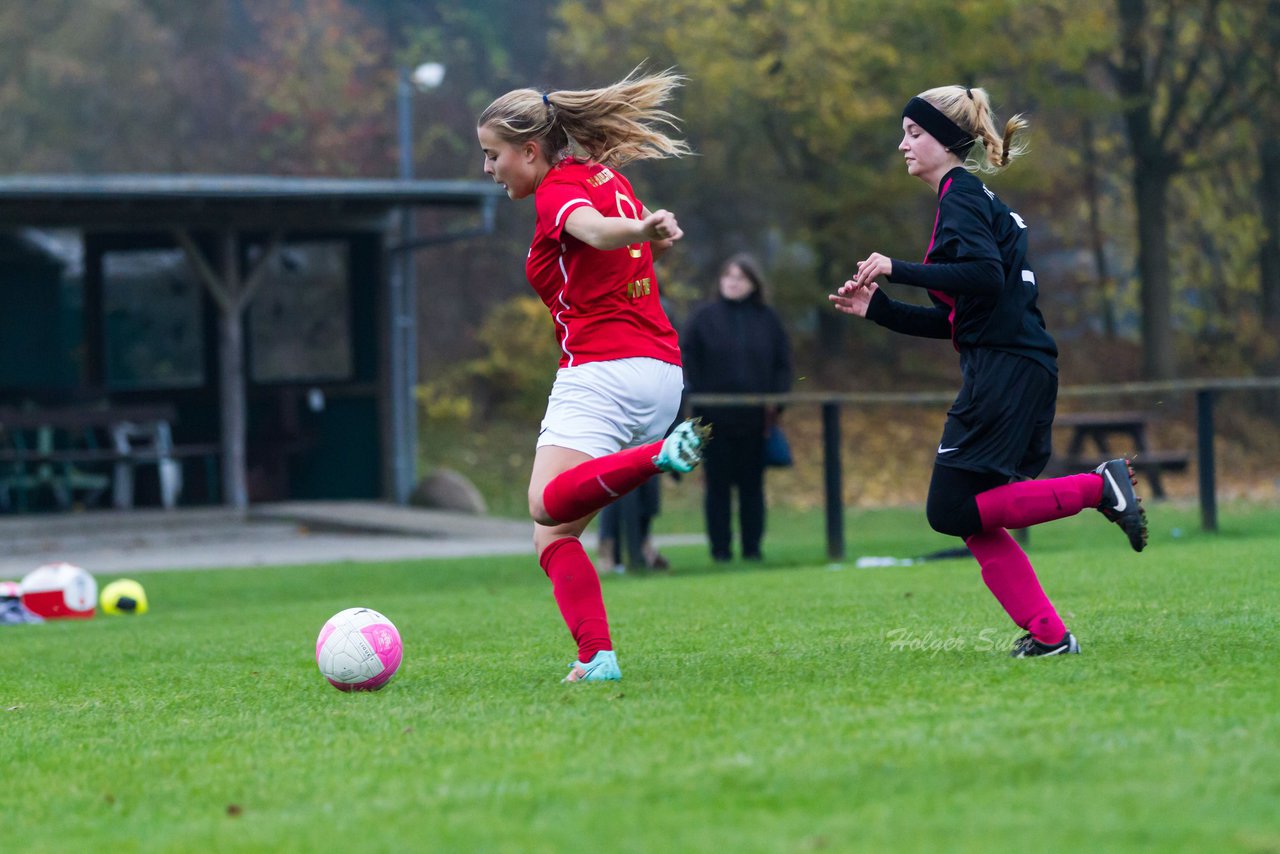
268,315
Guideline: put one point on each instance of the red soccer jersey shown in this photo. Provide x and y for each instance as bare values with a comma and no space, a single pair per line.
604,304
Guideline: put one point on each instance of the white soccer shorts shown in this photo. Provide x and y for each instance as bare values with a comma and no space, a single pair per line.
602,407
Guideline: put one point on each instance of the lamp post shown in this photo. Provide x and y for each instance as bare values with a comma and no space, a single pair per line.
404,295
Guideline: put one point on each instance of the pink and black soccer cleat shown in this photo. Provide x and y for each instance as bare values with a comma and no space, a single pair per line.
1120,501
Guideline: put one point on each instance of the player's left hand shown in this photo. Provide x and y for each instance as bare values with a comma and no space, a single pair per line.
875,265
662,226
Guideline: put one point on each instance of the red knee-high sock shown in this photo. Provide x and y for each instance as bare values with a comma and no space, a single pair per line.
591,485
577,590
1030,502
1010,578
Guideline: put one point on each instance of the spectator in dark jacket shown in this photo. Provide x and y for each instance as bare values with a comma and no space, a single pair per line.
736,344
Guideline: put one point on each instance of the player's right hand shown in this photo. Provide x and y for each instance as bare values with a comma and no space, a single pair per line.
852,298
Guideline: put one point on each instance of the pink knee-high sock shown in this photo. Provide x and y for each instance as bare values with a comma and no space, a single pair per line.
1030,502
591,485
1010,578
577,590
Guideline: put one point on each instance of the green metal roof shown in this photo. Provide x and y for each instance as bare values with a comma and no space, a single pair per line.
242,201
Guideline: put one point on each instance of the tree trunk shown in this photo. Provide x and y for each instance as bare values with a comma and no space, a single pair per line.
1153,167
1268,136
1269,252
1097,238
1151,197
832,331
832,325
1269,260
1269,181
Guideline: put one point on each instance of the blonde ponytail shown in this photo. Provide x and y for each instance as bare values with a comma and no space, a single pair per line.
970,109
612,125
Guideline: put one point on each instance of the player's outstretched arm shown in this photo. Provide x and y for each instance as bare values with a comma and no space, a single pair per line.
613,232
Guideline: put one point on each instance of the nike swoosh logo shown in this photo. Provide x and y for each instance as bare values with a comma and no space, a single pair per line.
1121,504
943,450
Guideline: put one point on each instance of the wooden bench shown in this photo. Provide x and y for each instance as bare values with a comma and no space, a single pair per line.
45,447
1099,429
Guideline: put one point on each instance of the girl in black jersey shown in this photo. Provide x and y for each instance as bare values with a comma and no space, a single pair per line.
983,293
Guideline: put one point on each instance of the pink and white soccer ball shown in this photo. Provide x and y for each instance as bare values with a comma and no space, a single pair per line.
358,650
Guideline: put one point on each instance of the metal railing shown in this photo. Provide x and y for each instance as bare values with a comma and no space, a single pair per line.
1206,391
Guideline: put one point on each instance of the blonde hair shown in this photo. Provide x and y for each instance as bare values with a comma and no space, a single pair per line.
613,125
971,110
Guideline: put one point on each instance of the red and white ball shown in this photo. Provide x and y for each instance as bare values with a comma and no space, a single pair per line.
60,590
358,650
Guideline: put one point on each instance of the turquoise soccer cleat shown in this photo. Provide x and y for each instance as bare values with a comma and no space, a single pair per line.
682,450
603,667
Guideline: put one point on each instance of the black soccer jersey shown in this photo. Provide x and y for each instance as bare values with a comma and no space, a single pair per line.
978,277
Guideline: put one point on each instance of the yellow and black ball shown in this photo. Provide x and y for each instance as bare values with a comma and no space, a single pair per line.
124,597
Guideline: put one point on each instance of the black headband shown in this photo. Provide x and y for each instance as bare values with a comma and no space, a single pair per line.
953,138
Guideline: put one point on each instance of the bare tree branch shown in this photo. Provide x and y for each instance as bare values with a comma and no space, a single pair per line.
1180,86
1165,47
1225,103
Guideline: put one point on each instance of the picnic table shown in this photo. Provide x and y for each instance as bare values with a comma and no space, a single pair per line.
1100,436
57,448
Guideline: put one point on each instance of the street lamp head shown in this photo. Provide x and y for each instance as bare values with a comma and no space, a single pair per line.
428,75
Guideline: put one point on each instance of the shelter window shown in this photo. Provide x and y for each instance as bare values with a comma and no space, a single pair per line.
300,322
152,306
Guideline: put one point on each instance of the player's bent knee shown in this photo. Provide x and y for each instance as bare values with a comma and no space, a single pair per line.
537,512
540,516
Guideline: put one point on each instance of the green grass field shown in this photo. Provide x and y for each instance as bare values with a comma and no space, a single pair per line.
793,706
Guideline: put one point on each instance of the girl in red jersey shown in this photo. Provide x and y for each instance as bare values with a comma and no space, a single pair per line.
984,291
591,261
